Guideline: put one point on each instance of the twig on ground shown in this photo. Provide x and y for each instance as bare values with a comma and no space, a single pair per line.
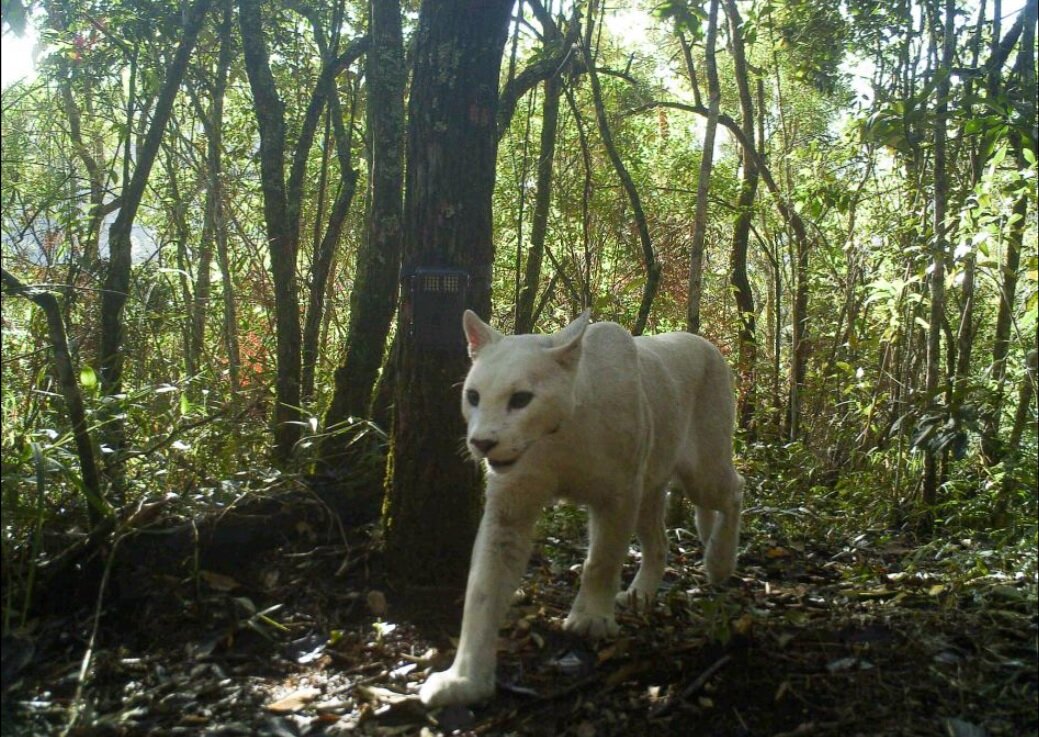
692,688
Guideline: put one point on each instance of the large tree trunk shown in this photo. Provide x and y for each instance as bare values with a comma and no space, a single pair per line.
433,502
117,281
706,167
374,298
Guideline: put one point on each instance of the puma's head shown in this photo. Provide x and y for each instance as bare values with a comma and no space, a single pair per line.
520,388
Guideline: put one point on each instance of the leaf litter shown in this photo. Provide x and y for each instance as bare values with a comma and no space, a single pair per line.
808,639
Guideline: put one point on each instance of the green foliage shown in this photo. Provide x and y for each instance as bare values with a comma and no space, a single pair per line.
685,16
859,173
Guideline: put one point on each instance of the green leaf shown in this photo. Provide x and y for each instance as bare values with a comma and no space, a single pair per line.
87,378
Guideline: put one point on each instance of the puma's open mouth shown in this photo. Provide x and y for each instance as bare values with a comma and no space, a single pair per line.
501,465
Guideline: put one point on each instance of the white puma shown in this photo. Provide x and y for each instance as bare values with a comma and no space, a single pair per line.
599,418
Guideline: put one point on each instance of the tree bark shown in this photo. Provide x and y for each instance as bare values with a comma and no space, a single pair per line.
1026,104
374,298
742,291
282,238
542,203
706,166
940,246
433,501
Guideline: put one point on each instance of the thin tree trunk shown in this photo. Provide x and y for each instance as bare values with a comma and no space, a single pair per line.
117,281
68,379
703,185
1023,415
687,56
213,125
1026,104
215,196
325,250
176,208
542,203
283,205
652,266
95,172
374,298
742,291
282,238
940,247
965,333
319,280
775,331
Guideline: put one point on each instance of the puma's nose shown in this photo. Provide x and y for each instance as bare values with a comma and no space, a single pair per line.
484,446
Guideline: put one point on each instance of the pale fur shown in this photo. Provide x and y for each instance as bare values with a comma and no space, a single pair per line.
613,421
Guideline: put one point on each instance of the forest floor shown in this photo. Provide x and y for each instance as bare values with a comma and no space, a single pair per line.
870,634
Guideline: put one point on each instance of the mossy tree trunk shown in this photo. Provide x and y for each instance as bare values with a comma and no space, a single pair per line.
282,205
433,495
374,298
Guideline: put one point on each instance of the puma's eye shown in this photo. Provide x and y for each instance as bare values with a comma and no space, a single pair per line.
519,400
473,397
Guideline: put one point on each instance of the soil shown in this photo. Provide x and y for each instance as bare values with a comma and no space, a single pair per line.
853,638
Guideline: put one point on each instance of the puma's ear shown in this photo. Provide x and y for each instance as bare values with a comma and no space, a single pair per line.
568,341
478,333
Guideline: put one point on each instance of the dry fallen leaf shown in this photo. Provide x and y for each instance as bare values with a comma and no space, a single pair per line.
218,581
294,701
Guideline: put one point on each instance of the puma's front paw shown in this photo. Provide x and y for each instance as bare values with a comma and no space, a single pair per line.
594,627
447,687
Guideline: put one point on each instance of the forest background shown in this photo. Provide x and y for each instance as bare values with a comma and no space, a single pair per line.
216,218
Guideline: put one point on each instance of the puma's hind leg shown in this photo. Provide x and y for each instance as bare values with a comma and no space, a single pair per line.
721,549
719,505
